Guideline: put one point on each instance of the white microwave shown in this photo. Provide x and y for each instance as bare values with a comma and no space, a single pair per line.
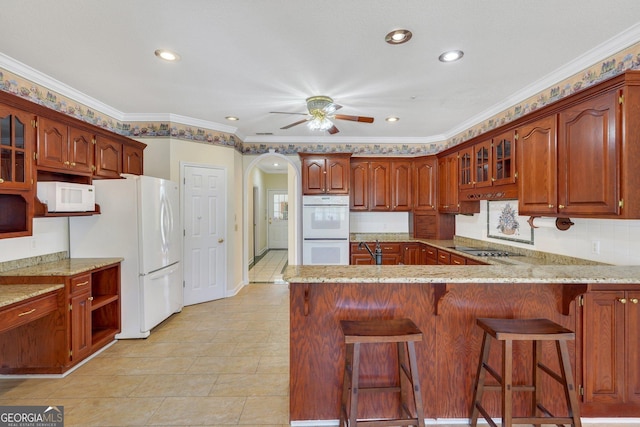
67,196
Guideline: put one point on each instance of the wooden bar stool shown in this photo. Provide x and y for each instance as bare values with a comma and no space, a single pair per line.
404,333
535,330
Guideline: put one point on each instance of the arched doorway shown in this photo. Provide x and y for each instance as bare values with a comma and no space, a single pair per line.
252,230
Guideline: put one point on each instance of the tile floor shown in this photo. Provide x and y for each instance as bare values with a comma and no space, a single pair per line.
220,363
269,267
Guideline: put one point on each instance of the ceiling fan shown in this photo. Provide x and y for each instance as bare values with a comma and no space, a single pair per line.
321,111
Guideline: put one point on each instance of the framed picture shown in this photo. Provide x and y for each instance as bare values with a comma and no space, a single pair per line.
503,222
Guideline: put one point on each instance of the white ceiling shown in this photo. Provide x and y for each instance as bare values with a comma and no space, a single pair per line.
248,57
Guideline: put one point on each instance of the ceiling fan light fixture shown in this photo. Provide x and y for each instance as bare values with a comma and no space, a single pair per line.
451,55
320,123
398,36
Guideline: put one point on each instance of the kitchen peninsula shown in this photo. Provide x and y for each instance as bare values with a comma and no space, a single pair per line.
444,302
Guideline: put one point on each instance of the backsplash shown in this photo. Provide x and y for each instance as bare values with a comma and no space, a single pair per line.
608,241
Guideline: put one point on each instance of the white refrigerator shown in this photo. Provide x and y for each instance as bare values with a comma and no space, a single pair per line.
139,221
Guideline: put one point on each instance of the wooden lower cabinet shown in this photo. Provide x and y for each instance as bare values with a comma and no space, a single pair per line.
611,349
88,319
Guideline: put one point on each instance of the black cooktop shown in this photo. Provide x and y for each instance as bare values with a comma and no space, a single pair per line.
489,252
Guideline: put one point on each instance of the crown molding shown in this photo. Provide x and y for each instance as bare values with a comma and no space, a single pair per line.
26,72
591,57
267,139
588,59
184,120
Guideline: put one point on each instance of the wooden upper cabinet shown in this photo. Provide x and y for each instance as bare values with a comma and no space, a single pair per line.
587,157
448,184
325,173
424,183
401,185
568,162
504,158
16,147
65,149
482,164
537,167
379,185
81,151
466,169
108,158
133,161
359,187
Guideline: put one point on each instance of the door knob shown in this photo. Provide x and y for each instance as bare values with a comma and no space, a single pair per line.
622,300
220,240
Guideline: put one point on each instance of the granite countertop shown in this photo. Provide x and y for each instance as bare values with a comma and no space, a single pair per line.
63,267
530,267
11,294
462,274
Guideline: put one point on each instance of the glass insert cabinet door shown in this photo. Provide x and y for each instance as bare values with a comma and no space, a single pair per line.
16,136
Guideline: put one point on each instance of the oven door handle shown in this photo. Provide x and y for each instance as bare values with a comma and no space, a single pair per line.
325,238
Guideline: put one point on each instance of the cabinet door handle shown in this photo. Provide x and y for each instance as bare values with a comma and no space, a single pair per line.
622,300
66,163
561,206
634,300
24,313
90,298
550,206
85,283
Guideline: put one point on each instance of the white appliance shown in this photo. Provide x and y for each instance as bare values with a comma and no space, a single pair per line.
139,222
67,196
325,230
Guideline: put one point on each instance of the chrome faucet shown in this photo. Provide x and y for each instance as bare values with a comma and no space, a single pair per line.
377,256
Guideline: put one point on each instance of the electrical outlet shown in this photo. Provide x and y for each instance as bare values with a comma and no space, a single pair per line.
595,246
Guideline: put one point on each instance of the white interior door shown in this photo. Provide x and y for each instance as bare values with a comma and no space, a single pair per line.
204,234
278,211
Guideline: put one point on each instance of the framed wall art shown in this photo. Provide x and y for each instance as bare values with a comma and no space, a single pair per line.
503,222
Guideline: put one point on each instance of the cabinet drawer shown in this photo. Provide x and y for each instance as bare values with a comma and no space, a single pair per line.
81,283
28,311
457,260
444,257
432,253
390,248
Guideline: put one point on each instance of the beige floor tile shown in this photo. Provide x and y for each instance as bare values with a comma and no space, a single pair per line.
98,386
136,366
265,410
273,365
224,365
251,385
112,412
174,385
198,411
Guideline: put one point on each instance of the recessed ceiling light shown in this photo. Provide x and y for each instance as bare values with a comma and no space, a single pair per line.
276,164
398,37
232,118
392,119
450,56
167,55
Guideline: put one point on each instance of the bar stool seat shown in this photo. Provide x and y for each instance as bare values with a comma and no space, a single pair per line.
404,333
535,330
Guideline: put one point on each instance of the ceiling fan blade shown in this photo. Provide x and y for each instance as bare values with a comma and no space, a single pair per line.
295,124
333,130
354,118
331,108
285,112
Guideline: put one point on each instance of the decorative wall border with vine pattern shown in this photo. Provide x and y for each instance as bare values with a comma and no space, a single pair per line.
626,59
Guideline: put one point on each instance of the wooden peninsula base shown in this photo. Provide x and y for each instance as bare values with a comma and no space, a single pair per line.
448,354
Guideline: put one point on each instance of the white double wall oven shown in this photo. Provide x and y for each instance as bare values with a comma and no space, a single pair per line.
325,230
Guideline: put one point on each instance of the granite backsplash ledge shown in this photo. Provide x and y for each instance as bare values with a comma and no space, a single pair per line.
31,261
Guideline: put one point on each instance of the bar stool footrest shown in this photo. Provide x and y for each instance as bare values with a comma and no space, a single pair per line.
387,423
